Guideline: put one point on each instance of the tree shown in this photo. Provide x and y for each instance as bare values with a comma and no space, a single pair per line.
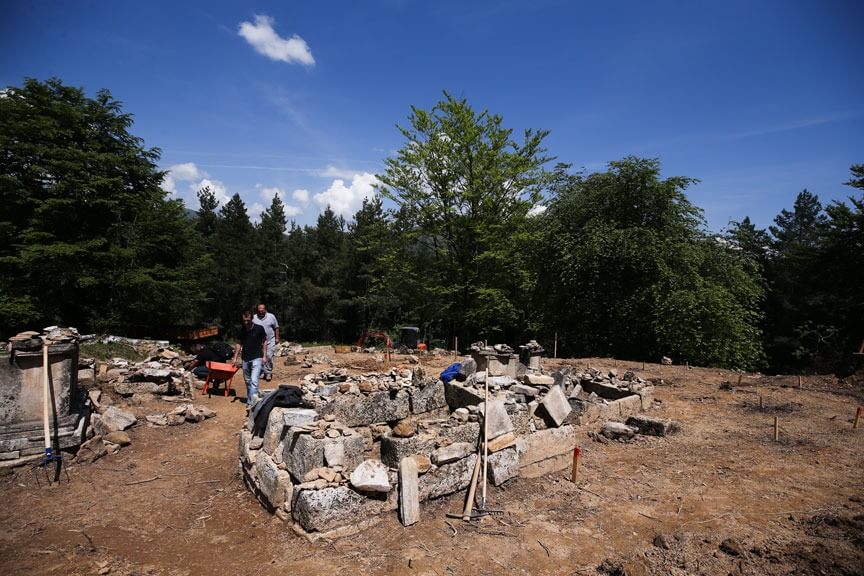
239,259
85,225
628,271
462,186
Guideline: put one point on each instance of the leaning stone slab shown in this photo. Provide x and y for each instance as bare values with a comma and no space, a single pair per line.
113,419
554,407
503,466
447,479
275,430
653,426
409,492
384,406
274,484
371,476
428,397
452,453
499,420
330,508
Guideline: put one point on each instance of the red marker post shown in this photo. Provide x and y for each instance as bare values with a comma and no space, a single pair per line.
577,453
857,418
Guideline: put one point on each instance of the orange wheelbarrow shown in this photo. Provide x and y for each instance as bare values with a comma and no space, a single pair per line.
219,372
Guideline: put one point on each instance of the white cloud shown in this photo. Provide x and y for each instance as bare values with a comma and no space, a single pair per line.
268,192
216,186
186,172
301,196
346,200
536,210
291,211
254,211
333,172
264,39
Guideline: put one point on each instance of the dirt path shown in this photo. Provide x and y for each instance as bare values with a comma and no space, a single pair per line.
720,497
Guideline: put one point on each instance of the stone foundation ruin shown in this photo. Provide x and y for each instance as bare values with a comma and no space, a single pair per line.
359,442
21,396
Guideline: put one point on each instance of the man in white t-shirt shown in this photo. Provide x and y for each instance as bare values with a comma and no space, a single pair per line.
271,326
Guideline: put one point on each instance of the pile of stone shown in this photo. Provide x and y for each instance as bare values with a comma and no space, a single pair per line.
106,432
288,349
324,385
186,412
162,374
31,340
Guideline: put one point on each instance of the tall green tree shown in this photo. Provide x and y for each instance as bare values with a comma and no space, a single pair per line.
239,260
630,272
463,185
85,224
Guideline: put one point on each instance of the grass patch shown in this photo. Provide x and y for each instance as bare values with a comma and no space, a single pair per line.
103,351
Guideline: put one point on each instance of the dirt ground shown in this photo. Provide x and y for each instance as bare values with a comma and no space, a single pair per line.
720,497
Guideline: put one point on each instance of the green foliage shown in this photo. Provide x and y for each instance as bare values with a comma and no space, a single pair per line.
83,214
629,272
109,350
462,186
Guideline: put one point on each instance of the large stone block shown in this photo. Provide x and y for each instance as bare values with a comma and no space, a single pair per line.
275,430
503,466
653,426
452,453
346,451
302,453
554,407
394,449
371,476
428,397
409,492
297,416
384,406
274,485
628,406
447,479
458,396
329,508
604,390
545,444
499,420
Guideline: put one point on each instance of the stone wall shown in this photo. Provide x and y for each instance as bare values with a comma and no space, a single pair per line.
335,461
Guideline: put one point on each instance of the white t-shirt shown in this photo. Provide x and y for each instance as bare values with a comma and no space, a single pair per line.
269,323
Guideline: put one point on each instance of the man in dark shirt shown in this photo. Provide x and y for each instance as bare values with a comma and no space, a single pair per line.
203,354
250,350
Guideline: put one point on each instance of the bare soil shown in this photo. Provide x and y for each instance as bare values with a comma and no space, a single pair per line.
720,497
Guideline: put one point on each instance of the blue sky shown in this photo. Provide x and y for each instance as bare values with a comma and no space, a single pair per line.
756,99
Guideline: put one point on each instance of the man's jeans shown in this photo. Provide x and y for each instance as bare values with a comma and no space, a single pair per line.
251,373
268,361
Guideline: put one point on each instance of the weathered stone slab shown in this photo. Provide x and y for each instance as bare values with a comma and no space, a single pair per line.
275,430
545,444
653,426
297,416
628,406
554,407
503,466
302,453
458,396
502,442
604,390
447,479
393,449
525,390
452,453
647,396
371,476
384,406
617,430
322,510
346,452
428,397
274,485
499,420
247,455
538,380
113,419
409,492
546,467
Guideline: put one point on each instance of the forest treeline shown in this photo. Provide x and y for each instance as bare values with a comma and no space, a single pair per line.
475,233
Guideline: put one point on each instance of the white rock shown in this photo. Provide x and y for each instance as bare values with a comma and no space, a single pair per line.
371,476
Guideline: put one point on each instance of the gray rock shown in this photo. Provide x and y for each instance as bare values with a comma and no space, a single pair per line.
113,419
322,510
346,452
616,430
274,484
503,466
371,476
653,426
327,389
427,397
554,407
409,492
451,453
538,380
447,479
458,396
666,361
91,450
302,453
469,367
545,444
275,430
524,389
393,449
298,416
157,419
119,438
383,406
499,420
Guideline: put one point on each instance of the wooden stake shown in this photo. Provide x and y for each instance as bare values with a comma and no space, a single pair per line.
643,365
857,418
776,429
761,406
555,347
799,382
456,345
485,437
739,379
574,474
